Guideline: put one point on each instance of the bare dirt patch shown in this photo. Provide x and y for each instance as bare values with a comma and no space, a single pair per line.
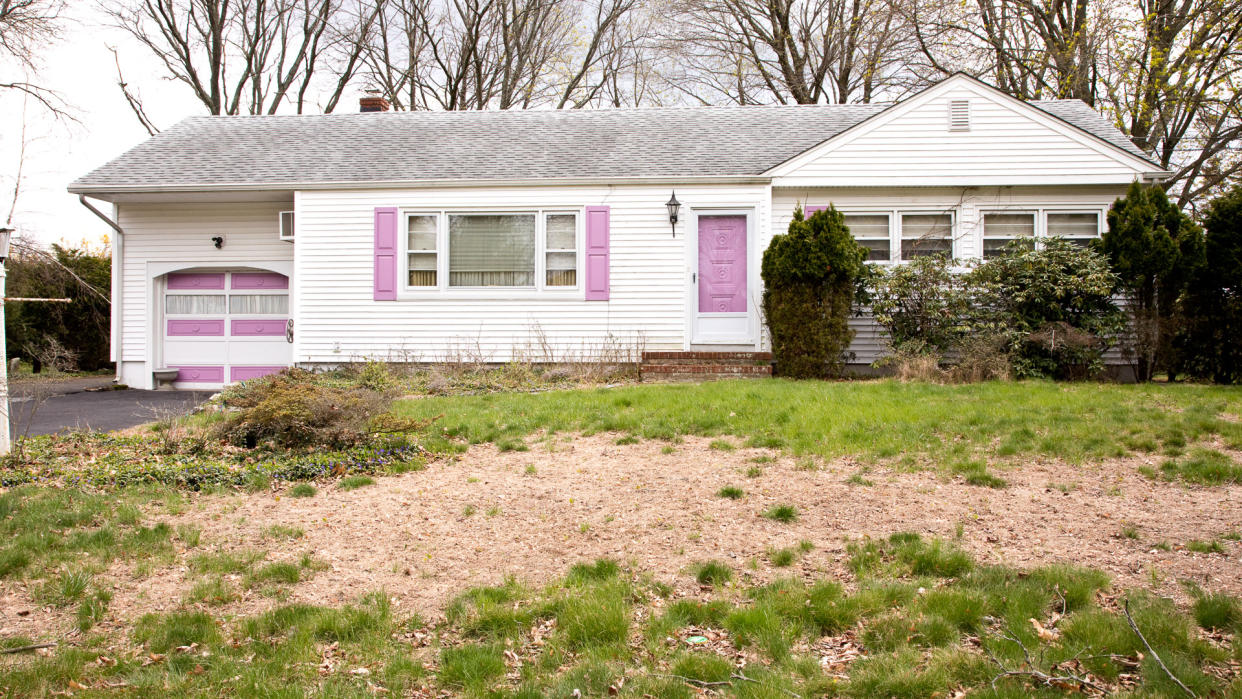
425,537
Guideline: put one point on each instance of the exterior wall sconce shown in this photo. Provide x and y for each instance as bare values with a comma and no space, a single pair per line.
218,241
674,207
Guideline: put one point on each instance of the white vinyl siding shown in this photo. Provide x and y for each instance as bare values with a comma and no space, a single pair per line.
1005,143
179,234
337,319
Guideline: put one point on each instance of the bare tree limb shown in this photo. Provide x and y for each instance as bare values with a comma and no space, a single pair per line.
1155,656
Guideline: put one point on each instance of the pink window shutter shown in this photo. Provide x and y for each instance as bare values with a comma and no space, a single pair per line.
597,235
386,254
808,210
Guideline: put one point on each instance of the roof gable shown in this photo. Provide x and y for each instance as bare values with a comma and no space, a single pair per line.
1007,141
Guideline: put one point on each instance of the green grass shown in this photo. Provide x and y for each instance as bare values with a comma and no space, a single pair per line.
926,633
714,573
1200,546
731,492
871,419
354,482
302,490
1203,467
782,513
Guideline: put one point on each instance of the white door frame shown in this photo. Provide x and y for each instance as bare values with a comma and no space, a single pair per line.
749,337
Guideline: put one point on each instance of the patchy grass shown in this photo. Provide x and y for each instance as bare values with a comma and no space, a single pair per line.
872,419
933,621
731,492
714,573
1202,467
782,513
302,490
354,482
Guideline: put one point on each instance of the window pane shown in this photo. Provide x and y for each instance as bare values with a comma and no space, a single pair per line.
926,234
562,269
995,247
878,250
194,304
259,304
1009,225
1074,225
562,231
491,250
421,233
867,225
422,270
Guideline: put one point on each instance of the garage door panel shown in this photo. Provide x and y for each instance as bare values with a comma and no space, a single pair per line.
258,327
258,353
197,374
196,327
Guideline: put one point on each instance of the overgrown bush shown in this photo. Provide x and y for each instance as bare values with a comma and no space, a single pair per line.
1053,306
1212,346
1155,250
809,277
921,304
292,410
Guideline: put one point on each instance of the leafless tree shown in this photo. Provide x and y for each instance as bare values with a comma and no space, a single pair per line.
1167,71
789,51
27,28
252,56
497,54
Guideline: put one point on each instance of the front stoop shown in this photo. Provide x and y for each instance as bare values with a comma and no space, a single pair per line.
704,366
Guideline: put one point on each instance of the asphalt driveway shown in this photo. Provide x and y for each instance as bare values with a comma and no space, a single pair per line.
78,405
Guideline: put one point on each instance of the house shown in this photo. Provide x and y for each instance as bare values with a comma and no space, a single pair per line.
250,243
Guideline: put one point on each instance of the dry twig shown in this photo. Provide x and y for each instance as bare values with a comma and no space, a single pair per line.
1155,656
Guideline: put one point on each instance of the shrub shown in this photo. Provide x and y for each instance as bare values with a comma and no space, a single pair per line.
1053,306
1155,250
809,276
921,304
1212,346
291,410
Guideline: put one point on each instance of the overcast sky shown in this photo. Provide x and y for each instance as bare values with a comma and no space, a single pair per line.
82,70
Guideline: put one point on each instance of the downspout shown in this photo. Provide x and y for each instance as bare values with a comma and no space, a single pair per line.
118,248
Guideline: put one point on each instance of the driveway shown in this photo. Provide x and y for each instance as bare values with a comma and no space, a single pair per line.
79,404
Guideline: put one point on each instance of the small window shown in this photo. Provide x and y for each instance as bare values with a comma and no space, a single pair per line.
421,249
561,249
1000,229
1078,228
194,304
286,225
959,115
871,231
490,250
923,235
259,304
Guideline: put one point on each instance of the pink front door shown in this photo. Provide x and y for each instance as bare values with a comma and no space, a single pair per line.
722,264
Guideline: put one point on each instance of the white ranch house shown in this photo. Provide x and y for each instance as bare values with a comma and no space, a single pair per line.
245,244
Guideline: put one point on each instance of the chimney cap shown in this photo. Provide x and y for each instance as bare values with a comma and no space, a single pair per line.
373,102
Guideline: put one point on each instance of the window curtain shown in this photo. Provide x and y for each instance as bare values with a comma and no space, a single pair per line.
491,250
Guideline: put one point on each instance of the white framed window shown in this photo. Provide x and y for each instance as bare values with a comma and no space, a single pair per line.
872,230
1000,228
194,304
926,233
481,250
1078,227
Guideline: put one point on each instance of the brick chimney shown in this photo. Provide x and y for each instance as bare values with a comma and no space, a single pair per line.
372,102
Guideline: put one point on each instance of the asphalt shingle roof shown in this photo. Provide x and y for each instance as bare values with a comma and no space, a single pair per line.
285,150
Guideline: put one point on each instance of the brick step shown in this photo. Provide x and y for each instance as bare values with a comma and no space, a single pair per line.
687,361
721,369
670,377
710,356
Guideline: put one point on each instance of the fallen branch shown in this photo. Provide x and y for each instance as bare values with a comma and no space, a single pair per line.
25,649
1036,674
1155,656
722,683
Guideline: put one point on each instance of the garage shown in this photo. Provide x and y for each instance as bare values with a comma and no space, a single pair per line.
225,326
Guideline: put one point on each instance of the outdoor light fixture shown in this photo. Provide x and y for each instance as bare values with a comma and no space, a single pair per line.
673,207
6,234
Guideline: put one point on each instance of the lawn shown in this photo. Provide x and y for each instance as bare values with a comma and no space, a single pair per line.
871,419
748,539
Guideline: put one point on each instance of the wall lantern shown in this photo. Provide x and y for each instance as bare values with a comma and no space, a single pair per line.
6,235
673,207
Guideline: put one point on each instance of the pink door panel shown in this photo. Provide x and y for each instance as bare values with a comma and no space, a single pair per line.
260,280
200,374
196,281
196,328
258,328
722,264
245,373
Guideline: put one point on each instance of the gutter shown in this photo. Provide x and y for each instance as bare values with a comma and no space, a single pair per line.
118,250
414,184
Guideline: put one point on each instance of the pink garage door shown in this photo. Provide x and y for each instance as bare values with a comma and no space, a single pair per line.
722,264
221,327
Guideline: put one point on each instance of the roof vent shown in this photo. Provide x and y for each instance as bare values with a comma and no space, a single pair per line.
959,115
